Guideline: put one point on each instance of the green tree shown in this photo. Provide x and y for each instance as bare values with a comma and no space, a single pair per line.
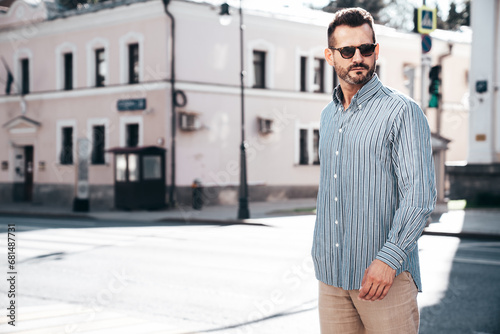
456,19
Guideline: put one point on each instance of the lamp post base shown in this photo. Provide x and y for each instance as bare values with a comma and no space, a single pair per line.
243,211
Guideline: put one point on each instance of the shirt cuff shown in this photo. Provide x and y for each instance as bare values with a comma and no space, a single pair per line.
392,255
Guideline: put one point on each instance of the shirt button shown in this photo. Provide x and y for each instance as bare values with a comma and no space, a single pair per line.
336,245
337,222
335,175
337,153
340,130
401,261
336,199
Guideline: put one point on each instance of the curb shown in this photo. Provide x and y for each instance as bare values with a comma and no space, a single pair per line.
465,235
62,215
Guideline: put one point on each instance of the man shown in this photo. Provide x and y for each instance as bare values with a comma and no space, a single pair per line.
376,191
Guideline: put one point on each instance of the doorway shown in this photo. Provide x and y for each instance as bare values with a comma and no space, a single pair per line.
28,173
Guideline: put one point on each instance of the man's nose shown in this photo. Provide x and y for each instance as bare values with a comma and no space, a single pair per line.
357,58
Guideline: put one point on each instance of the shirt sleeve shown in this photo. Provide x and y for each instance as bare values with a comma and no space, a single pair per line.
414,169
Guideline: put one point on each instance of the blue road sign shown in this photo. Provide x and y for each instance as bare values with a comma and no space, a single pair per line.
427,20
426,43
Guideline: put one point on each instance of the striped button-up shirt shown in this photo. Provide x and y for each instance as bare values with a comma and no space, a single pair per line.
377,185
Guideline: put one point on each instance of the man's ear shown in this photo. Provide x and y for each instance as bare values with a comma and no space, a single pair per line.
376,51
329,56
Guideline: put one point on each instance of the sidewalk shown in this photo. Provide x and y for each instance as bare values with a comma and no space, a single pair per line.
469,222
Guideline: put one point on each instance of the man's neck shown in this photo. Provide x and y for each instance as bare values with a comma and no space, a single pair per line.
348,92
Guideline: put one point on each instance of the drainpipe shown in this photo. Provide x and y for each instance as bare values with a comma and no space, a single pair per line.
172,190
439,110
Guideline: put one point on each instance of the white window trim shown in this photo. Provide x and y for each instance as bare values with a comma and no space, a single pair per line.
310,127
63,48
91,122
316,52
298,55
18,55
59,125
130,38
123,128
269,49
93,45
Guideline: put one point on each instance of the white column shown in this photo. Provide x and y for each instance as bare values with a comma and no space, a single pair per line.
482,105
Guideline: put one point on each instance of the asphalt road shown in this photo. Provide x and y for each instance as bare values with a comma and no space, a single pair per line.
78,276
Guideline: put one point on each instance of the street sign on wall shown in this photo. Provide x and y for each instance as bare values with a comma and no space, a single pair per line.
131,104
427,20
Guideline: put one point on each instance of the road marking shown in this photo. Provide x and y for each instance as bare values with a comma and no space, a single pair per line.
476,261
69,318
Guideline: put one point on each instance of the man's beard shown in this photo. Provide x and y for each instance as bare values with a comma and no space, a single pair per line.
358,79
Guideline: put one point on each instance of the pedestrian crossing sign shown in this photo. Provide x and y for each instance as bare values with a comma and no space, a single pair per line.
427,20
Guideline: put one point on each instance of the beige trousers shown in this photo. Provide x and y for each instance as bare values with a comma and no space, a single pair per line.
341,312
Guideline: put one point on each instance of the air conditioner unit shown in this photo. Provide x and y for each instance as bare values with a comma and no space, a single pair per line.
265,125
190,121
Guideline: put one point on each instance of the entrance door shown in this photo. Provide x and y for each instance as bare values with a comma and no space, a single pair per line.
28,173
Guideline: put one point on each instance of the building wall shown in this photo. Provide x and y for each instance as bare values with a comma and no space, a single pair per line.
208,72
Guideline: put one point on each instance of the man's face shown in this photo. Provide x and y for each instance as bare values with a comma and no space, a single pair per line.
357,70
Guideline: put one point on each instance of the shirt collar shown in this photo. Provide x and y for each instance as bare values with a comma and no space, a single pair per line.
366,92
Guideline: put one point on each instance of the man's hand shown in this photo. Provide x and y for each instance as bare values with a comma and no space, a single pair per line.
377,281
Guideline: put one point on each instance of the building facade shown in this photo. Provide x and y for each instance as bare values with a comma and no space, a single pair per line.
478,180
102,72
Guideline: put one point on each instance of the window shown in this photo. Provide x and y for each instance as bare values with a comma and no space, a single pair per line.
98,144
303,74
100,68
133,63
304,156
152,167
68,71
66,155
319,75
259,66
307,152
133,167
121,167
316,147
25,76
132,135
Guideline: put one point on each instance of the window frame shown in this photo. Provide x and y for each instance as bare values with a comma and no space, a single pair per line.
311,144
133,78
262,70
97,63
68,79
60,125
91,123
321,72
25,75
129,38
124,120
95,44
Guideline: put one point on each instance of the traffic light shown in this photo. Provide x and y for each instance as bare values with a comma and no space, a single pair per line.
434,85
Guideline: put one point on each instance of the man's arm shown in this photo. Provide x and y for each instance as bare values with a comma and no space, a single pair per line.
414,169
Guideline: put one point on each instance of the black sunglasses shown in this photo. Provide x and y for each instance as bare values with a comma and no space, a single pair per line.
347,52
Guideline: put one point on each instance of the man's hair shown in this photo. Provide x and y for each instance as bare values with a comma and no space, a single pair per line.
352,17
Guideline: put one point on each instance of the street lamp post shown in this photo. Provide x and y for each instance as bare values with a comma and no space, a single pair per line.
243,211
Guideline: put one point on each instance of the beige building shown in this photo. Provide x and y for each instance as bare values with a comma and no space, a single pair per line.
102,72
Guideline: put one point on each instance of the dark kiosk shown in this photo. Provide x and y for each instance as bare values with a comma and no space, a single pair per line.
139,177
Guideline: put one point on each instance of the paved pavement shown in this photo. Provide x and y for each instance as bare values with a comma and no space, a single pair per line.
469,222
